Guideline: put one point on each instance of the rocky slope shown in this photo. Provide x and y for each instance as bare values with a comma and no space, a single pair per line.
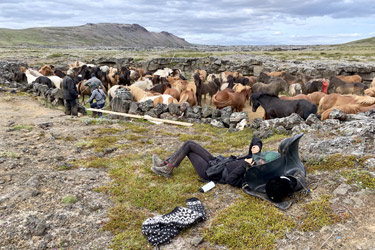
102,34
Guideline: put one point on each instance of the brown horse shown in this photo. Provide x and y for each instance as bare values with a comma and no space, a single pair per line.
370,92
296,97
316,97
350,79
229,97
46,70
334,100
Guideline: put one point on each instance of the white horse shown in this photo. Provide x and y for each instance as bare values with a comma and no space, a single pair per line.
163,72
145,84
56,81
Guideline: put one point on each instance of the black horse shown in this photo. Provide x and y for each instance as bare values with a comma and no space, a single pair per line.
44,80
276,108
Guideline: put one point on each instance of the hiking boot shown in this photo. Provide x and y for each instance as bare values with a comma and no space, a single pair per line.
157,161
165,170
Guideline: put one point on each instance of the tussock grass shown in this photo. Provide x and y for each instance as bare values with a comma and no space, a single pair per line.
364,178
335,162
318,213
27,127
248,223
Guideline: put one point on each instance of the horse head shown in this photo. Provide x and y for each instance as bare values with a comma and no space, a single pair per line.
254,102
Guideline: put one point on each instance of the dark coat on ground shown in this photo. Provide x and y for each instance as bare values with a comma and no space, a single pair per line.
69,88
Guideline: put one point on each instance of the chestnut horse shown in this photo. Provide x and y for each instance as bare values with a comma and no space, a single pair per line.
229,97
274,107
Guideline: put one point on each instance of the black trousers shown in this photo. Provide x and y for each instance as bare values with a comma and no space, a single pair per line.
198,156
71,107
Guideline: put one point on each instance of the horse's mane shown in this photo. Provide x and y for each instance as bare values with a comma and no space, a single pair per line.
370,92
365,100
260,94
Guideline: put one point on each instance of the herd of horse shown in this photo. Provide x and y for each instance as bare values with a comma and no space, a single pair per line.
301,94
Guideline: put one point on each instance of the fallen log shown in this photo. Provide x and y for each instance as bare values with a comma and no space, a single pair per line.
142,117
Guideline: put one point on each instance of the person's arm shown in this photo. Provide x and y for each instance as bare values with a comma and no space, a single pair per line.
92,96
88,82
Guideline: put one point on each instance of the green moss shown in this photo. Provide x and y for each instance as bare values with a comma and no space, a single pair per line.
22,126
335,162
363,178
69,199
317,214
248,223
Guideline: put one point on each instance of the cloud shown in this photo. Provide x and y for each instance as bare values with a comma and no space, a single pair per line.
206,22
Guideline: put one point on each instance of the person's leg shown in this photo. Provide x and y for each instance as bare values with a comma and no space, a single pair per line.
198,156
187,148
74,106
68,108
100,106
93,105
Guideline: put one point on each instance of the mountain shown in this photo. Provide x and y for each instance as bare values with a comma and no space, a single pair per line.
102,34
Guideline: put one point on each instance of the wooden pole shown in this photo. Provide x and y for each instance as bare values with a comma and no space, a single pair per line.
142,117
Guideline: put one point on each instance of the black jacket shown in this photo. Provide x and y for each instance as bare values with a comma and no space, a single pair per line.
227,170
69,88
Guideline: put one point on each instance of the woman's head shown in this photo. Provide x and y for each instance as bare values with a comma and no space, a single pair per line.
255,146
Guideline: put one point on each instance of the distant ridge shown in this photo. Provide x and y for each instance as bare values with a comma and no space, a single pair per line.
366,41
101,34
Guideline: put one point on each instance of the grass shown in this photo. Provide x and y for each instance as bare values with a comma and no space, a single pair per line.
248,223
364,178
22,127
335,162
318,213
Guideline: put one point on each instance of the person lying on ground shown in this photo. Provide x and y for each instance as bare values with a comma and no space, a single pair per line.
233,172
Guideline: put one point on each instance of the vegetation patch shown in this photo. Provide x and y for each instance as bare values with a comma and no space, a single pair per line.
69,199
138,194
335,162
248,223
317,214
363,178
22,126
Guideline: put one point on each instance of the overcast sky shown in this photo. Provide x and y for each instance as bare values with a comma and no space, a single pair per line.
226,22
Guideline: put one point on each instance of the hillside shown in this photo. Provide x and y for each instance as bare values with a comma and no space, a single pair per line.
103,34
367,41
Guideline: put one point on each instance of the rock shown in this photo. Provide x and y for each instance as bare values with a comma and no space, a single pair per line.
257,122
196,241
152,113
174,109
236,117
337,114
342,189
312,119
193,112
146,105
133,108
216,113
217,123
45,125
331,122
242,124
293,120
34,181
207,111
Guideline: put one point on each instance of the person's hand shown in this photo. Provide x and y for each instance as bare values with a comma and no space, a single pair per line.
250,161
78,96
